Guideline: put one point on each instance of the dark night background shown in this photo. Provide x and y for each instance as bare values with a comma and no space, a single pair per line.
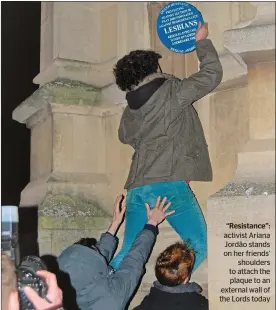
20,43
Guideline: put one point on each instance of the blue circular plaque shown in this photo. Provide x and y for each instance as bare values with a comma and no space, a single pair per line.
176,26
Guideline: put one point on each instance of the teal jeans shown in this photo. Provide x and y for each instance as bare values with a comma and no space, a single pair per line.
188,220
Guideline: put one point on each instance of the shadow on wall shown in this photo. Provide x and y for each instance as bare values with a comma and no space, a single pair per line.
63,279
28,225
64,282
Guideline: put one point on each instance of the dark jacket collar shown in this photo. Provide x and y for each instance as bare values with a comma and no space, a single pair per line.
190,287
152,77
137,98
142,92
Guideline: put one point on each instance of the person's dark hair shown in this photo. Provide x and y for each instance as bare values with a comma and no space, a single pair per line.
174,265
88,242
134,67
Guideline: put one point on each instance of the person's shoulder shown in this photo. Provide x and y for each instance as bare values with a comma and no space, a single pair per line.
150,300
171,84
170,79
200,301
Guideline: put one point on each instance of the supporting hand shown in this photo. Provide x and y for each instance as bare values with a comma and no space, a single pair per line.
158,213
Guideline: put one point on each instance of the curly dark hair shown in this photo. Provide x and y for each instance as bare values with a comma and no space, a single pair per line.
134,67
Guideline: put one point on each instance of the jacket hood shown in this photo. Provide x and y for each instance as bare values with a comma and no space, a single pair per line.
142,92
190,287
85,267
152,77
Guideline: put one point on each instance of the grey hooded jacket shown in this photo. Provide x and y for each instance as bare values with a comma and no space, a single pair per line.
165,131
96,287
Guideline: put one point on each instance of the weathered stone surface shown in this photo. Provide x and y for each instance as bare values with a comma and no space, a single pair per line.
61,239
252,209
248,198
246,189
86,166
222,16
64,219
98,75
74,222
62,91
262,101
254,38
77,42
250,39
65,205
234,71
72,92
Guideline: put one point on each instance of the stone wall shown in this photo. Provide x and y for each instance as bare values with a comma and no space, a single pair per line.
75,114
249,196
78,165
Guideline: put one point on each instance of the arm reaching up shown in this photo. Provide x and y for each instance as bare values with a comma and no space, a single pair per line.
209,76
108,242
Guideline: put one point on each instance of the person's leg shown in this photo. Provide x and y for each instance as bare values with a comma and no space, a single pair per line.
188,220
136,218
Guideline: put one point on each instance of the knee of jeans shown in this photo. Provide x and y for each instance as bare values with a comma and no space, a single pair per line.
201,251
205,245
200,245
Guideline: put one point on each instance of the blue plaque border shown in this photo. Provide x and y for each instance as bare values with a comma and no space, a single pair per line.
175,31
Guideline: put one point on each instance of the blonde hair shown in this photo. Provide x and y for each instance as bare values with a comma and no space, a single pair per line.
8,279
174,265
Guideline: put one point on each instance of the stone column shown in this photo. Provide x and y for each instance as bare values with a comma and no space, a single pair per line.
250,195
78,165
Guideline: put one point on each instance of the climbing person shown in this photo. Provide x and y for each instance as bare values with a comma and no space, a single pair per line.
170,149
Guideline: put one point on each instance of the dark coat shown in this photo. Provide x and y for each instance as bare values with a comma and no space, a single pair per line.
96,286
165,130
164,298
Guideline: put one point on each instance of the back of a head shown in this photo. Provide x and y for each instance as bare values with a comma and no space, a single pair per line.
134,67
174,265
8,280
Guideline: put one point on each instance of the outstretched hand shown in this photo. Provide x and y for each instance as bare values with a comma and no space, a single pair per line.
202,32
158,213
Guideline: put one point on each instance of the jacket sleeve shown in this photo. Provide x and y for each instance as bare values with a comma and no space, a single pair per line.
107,245
122,128
125,280
205,80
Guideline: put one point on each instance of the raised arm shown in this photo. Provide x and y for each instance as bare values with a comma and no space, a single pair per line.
125,280
209,76
108,242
